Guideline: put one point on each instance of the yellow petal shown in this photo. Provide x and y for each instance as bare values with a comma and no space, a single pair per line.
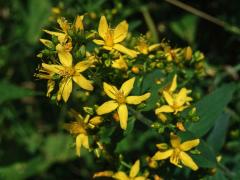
123,116
65,57
168,98
134,169
83,82
103,174
140,178
47,43
64,25
96,120
52,68
120,32
127,86
110,90
61,36
173,85
154,47
137,99
107,107
79,23
188,161
50,87
82,66
81,140
120,176
103,27
125,50
175,140
98,42
109,48
164,108
187,145
162,155
181,97
65,88
120,64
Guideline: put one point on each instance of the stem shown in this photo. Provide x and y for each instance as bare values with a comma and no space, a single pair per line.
186,7
226,171
150,23
141,117
125,164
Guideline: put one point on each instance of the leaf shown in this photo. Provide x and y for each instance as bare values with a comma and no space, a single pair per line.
23,170
129,143
218,135
185,28
207,157
149,85
55,149
9,92
130,125
36,19
210,109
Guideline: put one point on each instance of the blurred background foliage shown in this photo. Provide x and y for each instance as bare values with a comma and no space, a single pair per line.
33,144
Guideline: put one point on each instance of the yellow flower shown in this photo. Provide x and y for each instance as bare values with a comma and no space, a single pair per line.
78,25
111,38
69,73
176,101
62,34
177,153
120,64
120,99
79,129
172,54
144,48
132,175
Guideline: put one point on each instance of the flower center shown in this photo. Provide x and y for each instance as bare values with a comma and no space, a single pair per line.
175,156
120,98
142,46
67,72
109,37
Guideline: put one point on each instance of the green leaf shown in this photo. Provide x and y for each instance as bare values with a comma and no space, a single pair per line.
130,125
129,143
210,109
218,135
149,85
36,19
185,28
9,92
207,157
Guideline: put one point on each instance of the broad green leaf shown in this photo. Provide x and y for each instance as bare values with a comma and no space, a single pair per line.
149,85
207,157
135,141
218,135
185,28
10,91
210,109
57,148
23,170
37,18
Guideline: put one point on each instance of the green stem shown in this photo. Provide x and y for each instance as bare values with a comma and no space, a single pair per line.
226,171
186,7
141,117
125,164
144,10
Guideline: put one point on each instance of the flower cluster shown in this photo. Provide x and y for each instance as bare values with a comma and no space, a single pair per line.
87,66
